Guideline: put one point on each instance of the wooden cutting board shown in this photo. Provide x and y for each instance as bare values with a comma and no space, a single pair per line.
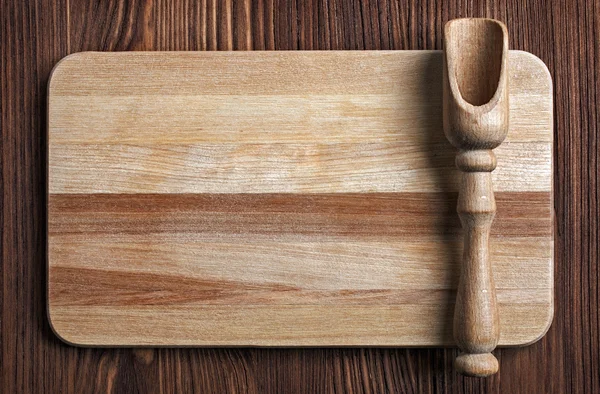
281,199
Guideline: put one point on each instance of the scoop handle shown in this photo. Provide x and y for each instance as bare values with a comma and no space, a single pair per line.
476,323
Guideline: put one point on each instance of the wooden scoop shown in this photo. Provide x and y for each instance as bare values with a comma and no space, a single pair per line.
476,121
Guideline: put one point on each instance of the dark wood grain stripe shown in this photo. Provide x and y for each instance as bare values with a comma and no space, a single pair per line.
83,286
99,287
351,215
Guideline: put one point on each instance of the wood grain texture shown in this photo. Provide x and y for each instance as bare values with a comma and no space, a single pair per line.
279,122
36,34
294,236
287,271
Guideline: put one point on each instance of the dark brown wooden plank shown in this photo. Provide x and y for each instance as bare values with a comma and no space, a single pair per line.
564,33
33,37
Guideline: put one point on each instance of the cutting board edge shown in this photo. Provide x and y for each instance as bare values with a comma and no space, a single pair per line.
65,338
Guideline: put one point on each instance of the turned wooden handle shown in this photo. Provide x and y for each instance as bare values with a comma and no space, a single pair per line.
476,325
476,121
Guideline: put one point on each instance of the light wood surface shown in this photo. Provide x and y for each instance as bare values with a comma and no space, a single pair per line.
281,199
476,105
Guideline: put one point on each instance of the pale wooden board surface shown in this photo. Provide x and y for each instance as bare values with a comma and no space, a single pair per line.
281,199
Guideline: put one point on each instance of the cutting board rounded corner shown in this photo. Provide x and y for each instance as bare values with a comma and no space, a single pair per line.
543,330
63,65
530,57
58,331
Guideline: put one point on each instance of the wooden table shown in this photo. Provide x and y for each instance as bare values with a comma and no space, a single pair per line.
36,34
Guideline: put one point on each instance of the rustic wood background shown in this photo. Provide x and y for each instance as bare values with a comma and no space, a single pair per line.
35,34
